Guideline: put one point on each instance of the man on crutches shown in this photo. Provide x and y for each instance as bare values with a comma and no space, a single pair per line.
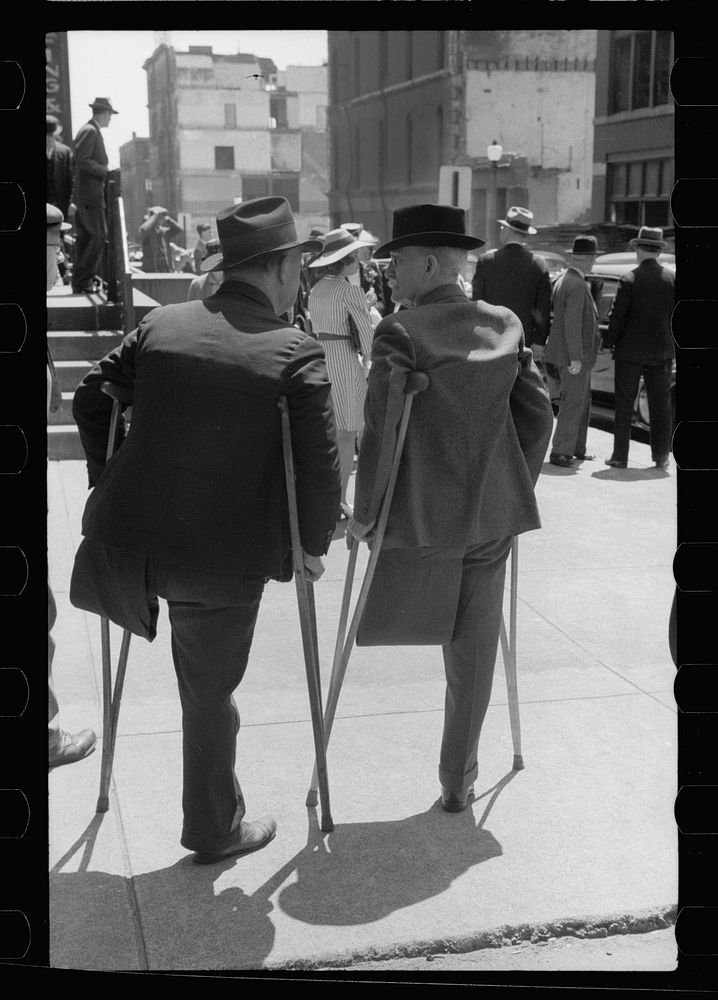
473,451
192,506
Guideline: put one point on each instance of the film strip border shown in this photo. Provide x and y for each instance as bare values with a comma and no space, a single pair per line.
695,449
23,559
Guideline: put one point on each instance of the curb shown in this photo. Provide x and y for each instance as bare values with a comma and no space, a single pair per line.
503,936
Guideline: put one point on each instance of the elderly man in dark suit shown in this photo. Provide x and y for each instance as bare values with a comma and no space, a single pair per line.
513,277
572,348
475,444
639,334
192,506
89,196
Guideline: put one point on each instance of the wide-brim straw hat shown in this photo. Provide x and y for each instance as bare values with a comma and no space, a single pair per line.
339,243
431,226
650,237
254,229
520,220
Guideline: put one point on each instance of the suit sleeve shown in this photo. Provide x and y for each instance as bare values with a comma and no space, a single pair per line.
573,318
619,312
531,411
314,447
542,309
92,408
85,151
392,358
478,282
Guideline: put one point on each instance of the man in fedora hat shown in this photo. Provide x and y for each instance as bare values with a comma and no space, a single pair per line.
514,277
572,348
474,447
192,506
89,196
639,334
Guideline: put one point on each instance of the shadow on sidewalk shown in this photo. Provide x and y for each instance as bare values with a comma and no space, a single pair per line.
358,874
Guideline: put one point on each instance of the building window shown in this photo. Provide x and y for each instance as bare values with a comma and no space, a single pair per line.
639,192
278,111
230,116
640,67
256,186
408,150
224,157
287,187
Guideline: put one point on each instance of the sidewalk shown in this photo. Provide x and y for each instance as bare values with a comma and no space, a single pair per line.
584,834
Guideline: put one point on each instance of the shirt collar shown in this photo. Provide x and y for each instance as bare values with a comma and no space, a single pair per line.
247,291
442,293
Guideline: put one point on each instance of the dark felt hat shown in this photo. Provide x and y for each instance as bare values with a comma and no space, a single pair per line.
103,104
584,244
431,226
253,229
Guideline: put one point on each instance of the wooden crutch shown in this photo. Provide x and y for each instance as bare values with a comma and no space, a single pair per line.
307,620
111,699
416,382
508,651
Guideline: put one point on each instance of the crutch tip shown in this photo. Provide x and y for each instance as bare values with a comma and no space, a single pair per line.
327,824
103,804
311,798
518,762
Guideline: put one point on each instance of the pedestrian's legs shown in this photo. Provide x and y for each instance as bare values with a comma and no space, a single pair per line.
346,442
584,414
571,410
91,234
626,381
53,709
210,648
469,661
658,390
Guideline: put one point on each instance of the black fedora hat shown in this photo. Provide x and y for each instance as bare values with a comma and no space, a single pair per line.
253,229
650,237
585,245
431,226
103,104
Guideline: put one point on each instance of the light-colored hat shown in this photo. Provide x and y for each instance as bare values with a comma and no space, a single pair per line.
520,220
649,237
56,225
352,227
337,244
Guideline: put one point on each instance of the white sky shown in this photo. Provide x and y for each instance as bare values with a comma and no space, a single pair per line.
108,63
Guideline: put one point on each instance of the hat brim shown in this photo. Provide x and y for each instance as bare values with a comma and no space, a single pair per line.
651,244
436,239
216,261
524,231
583,253
324,260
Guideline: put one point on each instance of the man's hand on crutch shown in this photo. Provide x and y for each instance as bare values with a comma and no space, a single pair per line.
313,567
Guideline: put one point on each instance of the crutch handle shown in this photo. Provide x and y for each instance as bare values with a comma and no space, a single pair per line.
416,381
122,393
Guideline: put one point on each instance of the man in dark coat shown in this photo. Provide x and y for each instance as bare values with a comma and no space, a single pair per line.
59,167
192,506
89,196
572,348
155,234
474,447
513,277
639,334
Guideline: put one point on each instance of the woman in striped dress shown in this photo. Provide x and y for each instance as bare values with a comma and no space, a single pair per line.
332,300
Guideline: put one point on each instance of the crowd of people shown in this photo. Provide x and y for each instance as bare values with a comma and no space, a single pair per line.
336,324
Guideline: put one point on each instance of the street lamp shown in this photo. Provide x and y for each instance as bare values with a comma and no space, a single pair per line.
493,152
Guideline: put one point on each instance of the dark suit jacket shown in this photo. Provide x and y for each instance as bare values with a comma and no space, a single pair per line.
477,437
199,480
60,178
639,326
513,277
90,166
574,328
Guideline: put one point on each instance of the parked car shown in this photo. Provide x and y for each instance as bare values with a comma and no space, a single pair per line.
555,262
603,279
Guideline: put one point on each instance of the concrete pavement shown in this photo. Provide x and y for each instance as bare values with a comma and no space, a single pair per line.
584,837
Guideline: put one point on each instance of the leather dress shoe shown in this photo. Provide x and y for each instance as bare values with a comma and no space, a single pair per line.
72,748
615,464
662,464
585,457
248,837
565,461
453,803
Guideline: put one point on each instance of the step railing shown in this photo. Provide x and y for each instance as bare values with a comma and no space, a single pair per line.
117,253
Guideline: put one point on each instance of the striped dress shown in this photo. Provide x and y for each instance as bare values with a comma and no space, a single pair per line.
329,302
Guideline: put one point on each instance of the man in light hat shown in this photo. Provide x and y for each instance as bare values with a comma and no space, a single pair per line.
89,196
639,334
514,277
192,506
475,443
573,348
62,747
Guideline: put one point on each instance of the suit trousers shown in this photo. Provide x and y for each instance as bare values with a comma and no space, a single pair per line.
469,661
212,620
657,378
91,228
574,410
